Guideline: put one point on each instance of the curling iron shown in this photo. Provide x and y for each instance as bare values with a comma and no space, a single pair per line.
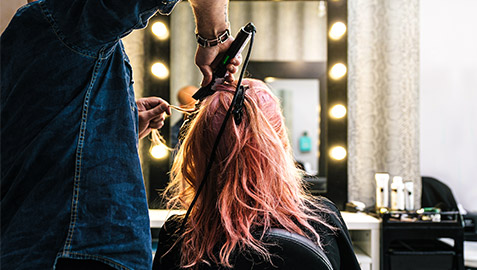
246,33
220,72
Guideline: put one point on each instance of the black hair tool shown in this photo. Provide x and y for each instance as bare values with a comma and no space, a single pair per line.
246,33
220,71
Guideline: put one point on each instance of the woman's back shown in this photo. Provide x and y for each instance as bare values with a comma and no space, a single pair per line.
253,184
335,243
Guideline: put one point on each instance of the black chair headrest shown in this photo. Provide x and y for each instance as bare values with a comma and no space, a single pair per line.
289,251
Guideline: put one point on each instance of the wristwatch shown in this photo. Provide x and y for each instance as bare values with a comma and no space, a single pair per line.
213,42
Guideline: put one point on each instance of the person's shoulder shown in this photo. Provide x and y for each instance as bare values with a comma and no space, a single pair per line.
325,208
172,224
323,204
170,230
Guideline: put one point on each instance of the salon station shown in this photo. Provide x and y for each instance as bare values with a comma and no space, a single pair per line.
378,98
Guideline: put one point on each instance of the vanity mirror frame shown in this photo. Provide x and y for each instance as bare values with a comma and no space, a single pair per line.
334,131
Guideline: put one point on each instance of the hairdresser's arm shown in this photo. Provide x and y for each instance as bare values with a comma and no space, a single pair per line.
212,19
151,114
88,26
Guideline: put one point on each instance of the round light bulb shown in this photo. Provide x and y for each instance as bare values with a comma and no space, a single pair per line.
337,30
160,30
270,79
160,70
159,151
338,111
338,153
338,71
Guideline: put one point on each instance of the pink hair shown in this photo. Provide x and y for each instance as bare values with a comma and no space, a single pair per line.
253,184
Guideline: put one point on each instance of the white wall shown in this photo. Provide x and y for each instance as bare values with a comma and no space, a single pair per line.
449,96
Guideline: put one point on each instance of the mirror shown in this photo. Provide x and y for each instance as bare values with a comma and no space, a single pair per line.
301,88
299,100
290,45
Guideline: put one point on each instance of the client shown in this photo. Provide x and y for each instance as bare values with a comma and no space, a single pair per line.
253,185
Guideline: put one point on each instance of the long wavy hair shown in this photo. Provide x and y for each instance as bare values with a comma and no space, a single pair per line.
253,184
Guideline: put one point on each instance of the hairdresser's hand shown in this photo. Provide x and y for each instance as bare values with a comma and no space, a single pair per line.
151,114
207,59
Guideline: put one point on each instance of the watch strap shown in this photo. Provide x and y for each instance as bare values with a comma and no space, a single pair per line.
204,42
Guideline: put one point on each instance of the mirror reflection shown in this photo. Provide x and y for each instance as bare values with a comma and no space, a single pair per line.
299,99
301,87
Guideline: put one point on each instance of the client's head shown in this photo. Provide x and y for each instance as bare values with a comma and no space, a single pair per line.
253,183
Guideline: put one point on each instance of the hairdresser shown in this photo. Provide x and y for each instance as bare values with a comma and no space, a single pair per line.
72,192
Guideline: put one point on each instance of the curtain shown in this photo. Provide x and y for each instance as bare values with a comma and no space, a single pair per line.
383,95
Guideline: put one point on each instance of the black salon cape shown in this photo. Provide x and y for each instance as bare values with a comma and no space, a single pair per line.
337,245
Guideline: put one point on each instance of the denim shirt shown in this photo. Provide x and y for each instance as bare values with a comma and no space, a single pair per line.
71,181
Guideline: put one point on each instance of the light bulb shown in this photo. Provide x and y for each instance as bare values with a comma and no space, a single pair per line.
338,111
160,30
337,30
159,151
338,71
160,70
270,79
338,153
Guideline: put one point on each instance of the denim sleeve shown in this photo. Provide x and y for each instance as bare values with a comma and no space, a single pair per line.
91,25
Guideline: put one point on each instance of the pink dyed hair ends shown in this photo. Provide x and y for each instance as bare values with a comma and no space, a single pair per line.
253,184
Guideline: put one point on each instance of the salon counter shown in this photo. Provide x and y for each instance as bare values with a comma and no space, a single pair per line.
159,216
364,231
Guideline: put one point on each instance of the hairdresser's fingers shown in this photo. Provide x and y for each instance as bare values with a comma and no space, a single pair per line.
230,77
160,106
234,64
230,73
236,61
157,122
154,106
148,103
143,125
157,103
232,69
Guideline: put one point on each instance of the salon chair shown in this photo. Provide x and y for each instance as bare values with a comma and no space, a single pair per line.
437,194
289,251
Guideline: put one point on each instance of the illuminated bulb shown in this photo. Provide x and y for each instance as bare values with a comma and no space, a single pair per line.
160,70
338,71
337,30
270,79
160,30
338,153
338,111
159,151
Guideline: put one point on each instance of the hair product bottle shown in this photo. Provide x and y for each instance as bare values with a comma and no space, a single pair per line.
305,143
409,195
397,193
382,190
